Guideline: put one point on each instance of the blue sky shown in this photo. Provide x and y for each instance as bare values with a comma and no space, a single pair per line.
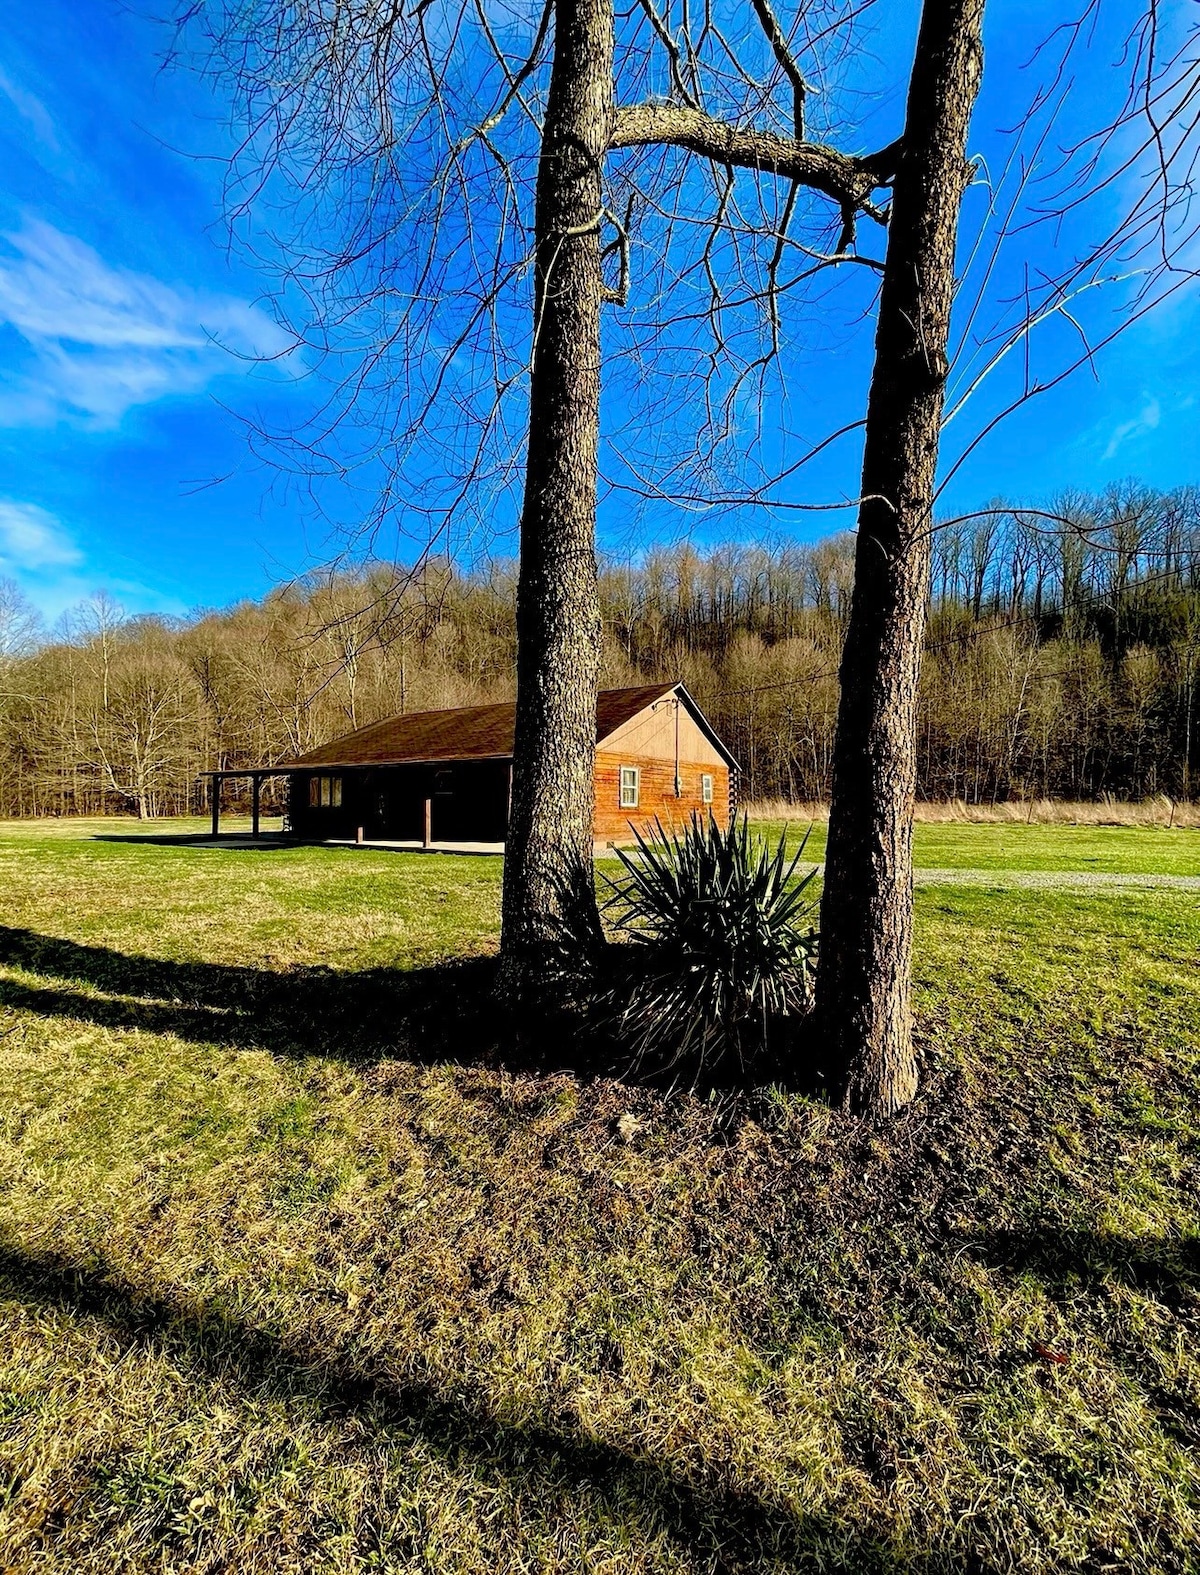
124,329
128,338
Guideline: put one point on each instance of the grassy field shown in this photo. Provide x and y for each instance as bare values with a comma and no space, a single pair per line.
297,1274
1111,850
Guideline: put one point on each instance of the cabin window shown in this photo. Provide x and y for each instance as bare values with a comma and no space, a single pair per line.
443,783
706,788
325,792
630,784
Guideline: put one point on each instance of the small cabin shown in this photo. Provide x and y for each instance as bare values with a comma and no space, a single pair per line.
445,776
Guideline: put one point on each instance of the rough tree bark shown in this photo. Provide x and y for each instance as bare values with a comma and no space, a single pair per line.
548,866
862,987
548,863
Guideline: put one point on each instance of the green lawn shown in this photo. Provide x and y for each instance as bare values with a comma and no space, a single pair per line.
296,1274
1113,850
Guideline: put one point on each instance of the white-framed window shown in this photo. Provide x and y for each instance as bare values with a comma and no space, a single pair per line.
630,787
706,788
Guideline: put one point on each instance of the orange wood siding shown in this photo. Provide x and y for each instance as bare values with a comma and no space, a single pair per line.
656,794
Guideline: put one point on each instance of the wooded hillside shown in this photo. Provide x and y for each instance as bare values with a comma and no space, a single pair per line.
1063,660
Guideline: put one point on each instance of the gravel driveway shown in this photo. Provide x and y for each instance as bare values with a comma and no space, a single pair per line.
1058,880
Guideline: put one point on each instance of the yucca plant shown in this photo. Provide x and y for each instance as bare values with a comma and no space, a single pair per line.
717,948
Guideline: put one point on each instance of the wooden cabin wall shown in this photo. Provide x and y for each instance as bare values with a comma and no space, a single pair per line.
657,798
388,802
655,731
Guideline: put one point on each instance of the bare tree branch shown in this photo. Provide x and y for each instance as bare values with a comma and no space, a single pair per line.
844,179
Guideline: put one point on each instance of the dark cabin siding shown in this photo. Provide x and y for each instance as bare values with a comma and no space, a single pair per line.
468,802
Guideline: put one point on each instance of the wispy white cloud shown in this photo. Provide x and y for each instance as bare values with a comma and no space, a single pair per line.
105,339
31,109
1137,426
33,540
41,554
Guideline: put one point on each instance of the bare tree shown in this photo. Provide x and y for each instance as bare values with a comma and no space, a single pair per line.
21,624
687,132
548,867
21,631
406,119
866,909
548,850
863,1012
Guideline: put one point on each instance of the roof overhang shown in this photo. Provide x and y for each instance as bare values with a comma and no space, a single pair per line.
246,771
291,766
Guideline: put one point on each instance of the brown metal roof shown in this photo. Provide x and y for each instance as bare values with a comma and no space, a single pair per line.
470,732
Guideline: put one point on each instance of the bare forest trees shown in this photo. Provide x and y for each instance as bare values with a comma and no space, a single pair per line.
20,632
1040,688
436,159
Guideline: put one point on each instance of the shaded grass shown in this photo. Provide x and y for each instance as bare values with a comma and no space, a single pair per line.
278,1293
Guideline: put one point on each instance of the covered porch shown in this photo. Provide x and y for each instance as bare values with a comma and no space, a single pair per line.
256,776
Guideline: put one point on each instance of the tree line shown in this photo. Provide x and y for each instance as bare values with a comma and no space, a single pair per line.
1062,659
650,170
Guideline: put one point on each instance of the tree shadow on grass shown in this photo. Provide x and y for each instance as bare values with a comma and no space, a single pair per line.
1167,1268
226,842
279,841
436,1012
1074,1262
714,1526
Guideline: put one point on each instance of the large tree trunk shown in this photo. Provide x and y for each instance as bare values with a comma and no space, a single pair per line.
863,971
548,864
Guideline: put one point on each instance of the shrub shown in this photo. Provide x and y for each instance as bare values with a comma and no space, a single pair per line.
715,952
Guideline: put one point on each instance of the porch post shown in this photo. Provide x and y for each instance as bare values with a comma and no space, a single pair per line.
255,789
216,804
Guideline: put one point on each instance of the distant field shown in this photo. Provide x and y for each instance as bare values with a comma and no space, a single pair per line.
297,1274
1128,850
1160,813
1116,850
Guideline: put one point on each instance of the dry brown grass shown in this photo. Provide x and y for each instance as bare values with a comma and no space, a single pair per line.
1161,811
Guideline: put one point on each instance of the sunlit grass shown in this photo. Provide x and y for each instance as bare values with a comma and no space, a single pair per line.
1113,850
282,1294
